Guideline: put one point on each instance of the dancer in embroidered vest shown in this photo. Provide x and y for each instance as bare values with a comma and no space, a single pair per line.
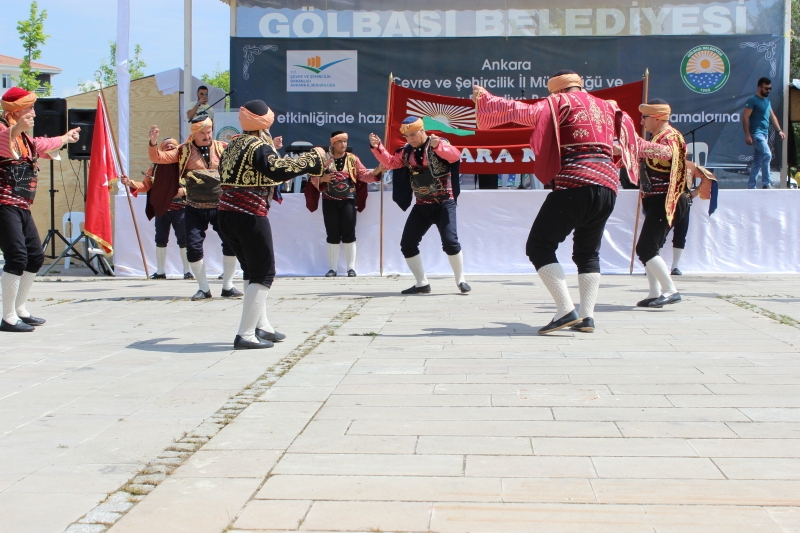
198,160
250,170
169,211
428,166
573,141
19,238
342,198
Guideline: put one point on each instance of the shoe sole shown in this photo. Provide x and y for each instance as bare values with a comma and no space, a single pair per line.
568,324
583,330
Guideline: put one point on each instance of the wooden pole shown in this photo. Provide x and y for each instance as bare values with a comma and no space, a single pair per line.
127,191
639,201
385,140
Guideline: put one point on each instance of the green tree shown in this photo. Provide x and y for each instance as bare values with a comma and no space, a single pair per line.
108,68
222,79
794,53
32,35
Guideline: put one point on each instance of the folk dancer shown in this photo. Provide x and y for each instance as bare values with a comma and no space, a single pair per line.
428,166
19,238
665,199
342,198
166,203
250,170
573,141
198,159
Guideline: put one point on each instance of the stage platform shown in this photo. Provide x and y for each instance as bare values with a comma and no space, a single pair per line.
752,231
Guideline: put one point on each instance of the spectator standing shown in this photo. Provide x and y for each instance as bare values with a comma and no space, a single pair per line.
755,120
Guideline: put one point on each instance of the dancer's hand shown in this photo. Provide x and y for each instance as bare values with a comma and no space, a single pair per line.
374,140
181,193
154,135
124,180
72,136
476,92
380,169
278,142
434,140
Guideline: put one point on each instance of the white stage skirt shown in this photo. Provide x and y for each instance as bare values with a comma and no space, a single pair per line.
752,231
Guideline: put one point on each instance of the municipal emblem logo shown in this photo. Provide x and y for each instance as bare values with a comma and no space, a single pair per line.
705,69
443,117
227,134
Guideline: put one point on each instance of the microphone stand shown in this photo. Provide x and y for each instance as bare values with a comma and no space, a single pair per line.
695,156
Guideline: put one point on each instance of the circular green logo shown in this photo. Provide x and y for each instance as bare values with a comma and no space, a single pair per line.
227,133
705,69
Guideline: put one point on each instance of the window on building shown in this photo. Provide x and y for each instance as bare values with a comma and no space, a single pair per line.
6,81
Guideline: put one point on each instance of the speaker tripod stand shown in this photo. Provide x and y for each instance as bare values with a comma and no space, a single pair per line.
70,249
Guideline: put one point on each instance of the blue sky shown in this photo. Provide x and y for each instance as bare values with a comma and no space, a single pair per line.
80,31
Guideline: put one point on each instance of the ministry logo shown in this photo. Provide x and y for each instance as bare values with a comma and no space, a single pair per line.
321,71
705,69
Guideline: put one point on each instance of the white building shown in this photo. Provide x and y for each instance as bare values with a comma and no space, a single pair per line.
10,69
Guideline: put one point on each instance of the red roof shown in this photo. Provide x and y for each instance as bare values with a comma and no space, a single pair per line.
8,61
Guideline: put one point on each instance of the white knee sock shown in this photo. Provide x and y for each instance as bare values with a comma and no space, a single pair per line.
415,265
263,321
553,278
25,284
10,284
457,262
199,269
676,257
588,285
350,252
659,269
333,256
228,270
161,259
186,267
655,286
255,301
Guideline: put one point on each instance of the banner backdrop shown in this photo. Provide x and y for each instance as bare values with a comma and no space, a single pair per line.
316,86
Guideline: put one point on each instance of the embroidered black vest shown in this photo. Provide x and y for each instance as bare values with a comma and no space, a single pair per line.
22,174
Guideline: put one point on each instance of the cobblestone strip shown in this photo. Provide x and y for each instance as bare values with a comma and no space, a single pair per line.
123,499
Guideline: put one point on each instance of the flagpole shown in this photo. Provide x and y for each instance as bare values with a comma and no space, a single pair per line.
639,201
127,191
385,140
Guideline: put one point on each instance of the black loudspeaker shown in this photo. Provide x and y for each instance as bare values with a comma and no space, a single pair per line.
83,119
51,117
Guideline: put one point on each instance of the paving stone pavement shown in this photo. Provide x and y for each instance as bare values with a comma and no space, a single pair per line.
430,413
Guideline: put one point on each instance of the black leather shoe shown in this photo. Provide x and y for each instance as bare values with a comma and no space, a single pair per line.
233,292
351,273
158,276
330,274
767,187
221,276
666,300
200,295
586,325
19,327
240,344
272,337
418,290
188,275
561,323
646,302
32,320
464,287
676,272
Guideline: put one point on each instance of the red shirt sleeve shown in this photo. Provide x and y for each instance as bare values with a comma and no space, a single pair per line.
390,161
447,151
493,111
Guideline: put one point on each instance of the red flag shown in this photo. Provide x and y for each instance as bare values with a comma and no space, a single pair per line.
504,150
102,173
